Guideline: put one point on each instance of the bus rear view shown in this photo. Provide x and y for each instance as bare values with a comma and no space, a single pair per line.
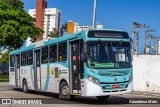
108,67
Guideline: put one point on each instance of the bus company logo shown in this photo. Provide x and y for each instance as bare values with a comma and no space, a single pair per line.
6,101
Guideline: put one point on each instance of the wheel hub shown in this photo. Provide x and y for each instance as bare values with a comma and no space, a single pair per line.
65,90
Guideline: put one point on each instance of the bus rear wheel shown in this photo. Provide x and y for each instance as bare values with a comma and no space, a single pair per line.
103,98
25,87
64,92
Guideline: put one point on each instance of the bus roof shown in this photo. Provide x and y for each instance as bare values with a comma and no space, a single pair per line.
45,42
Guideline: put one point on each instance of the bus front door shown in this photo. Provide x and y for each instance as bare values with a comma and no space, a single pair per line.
37,73
76,67
17,70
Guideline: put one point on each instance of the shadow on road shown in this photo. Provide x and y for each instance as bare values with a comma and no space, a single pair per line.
54,99
93,100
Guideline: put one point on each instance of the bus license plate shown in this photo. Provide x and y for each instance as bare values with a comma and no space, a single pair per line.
116,86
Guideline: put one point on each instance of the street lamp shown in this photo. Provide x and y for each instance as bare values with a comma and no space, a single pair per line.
94,14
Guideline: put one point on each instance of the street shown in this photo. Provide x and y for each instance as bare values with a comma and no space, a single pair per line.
7,91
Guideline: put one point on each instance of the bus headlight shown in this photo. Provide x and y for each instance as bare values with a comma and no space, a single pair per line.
93,79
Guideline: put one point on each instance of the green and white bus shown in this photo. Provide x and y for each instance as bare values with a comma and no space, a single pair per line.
87,63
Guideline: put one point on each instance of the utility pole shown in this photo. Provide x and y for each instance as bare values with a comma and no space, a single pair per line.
137,41
133,35
134,26
145,36
138,27
157,46
150,37
94,14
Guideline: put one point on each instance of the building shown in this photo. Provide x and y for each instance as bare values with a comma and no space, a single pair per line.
73,27
46,18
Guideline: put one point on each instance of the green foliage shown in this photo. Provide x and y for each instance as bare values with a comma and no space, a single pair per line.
63,28
4,78
5,57
15,24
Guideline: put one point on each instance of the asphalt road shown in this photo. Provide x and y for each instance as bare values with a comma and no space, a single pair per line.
7,91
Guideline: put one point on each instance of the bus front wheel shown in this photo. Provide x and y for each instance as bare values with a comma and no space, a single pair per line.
103,98
64,92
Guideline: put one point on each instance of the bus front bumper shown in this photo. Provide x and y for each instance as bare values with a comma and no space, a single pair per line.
89,88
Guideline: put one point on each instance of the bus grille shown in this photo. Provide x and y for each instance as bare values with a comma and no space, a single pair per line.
115,91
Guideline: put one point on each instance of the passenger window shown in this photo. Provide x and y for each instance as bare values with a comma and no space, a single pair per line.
23,59
62,52
53,53
45,55
12,61
18,61
30,57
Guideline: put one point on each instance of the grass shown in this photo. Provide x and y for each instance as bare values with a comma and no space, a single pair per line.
4,78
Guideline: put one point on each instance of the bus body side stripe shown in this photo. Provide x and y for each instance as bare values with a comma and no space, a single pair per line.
48,77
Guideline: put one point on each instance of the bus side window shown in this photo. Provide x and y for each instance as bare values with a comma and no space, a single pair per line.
53,53
45,55
62,52
23,59
12,61
30,57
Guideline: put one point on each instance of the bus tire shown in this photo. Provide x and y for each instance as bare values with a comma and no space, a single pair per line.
103,98
25,87
64,92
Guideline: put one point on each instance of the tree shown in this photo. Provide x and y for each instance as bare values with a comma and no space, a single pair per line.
5,57
15,24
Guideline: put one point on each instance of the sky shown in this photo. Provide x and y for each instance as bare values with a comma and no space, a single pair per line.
113,14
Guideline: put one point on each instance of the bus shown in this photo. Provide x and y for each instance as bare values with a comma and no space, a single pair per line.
94,62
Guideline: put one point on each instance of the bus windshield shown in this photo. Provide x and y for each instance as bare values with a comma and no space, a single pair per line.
104,54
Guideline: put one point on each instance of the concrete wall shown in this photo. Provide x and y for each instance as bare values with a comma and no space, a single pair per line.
146,73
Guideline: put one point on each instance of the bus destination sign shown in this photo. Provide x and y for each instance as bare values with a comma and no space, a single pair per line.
108,34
